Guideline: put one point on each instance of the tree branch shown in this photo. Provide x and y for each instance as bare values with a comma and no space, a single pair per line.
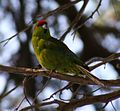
106,60
42,72
59,9
105,98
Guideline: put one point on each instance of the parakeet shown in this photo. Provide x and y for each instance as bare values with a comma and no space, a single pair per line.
54,55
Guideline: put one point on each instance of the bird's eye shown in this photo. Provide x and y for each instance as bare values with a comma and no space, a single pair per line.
44,26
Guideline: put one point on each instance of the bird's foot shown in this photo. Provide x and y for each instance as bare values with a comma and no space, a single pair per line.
37,67
84,76
51,71
81,75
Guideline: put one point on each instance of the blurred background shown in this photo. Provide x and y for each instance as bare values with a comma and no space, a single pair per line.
98,37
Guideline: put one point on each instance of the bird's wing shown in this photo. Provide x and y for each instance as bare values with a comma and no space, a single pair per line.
61,47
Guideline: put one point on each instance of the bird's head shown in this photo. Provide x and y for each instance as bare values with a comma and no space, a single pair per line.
41,29
41,24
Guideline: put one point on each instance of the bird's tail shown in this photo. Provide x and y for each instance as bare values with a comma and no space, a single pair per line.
88,74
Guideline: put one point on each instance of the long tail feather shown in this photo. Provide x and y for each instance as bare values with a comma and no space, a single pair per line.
88,74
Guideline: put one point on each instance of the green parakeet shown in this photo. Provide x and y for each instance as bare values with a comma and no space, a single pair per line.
54,55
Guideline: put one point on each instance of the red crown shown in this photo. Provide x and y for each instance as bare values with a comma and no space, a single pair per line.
41,22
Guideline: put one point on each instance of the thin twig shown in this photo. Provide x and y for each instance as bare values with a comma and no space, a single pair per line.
94,59
8,39
3,95
24,90
75,21
91,16
19,104
58,10
60,90
101,109
42,89
113,106
106,60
